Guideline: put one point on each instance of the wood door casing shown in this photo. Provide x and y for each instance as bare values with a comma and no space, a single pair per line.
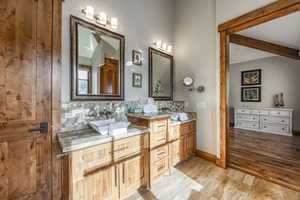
109,77
25,98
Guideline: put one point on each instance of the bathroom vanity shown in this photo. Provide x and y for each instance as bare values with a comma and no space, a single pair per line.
104,167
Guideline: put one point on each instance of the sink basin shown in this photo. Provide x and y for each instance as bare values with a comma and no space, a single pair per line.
110,127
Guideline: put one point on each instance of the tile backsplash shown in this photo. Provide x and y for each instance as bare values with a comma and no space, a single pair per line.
76,115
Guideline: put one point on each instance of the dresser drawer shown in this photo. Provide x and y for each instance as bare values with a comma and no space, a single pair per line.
174,132
248,125
251,118
280,113
129,146
260,112
158,138
159,153
187,128
160,125
276,120
160,167
244,111
276,129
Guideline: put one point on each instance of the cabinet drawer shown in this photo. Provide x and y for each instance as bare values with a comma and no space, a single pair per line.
244,111
251,125
158,138
187,128
93,157
251,118
276,129
160,167
280,113
159,126
129,146
159,153
276,120
174,133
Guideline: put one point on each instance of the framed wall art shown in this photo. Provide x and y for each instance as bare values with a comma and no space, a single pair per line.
251,94
251,77
137,80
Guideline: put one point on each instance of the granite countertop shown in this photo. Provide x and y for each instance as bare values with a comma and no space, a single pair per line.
79,139
149,116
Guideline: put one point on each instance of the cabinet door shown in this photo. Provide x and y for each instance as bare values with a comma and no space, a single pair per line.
183,148
132,175
191,139
174,152
99,185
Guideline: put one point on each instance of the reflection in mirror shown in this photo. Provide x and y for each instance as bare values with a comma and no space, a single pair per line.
161,75
99,56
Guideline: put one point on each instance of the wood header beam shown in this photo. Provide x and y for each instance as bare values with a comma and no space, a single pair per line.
265,46
263,14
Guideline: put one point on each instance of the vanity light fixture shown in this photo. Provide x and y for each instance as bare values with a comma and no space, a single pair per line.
101,18
162,46
88,12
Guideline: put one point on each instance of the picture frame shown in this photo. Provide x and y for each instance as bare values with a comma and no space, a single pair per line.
251,94
137,57
137,80
251,77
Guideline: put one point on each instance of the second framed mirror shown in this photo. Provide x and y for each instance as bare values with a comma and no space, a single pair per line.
160,75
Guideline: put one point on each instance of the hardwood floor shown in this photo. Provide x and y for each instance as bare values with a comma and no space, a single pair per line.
273,157
198,179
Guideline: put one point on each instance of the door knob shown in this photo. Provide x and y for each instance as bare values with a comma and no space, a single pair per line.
42,129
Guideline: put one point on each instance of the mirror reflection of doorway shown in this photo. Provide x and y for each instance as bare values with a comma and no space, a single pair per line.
109,77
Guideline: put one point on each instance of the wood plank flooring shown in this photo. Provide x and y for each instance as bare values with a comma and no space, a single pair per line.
198,179
273,157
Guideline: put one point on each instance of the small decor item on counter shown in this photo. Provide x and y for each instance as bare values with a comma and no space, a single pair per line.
251,94
278,100
137,57
251,77
182,116
149,106
137,80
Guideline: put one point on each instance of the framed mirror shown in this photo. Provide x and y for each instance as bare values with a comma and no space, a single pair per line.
97,59
160,75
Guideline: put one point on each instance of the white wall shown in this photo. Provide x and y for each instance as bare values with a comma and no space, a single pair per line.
140,21
279,74
195,56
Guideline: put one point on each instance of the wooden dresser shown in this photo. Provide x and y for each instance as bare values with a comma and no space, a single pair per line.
168,144
270,120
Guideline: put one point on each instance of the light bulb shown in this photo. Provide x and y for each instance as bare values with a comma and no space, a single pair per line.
114,23
170,49
164,46
102,18
89,12
158,44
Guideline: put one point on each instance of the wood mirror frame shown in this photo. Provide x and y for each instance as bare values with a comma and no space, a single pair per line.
75,21
161,98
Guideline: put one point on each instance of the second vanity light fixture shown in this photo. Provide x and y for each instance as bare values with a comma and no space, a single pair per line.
101,18
162,46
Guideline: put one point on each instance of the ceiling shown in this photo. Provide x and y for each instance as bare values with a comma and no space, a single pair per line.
284,31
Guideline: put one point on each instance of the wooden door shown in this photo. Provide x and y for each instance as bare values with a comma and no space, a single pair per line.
25,98
132,175
109,77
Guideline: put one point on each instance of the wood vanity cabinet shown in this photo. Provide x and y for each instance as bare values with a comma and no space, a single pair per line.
109,171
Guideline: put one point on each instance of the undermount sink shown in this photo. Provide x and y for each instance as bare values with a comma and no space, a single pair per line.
110,127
